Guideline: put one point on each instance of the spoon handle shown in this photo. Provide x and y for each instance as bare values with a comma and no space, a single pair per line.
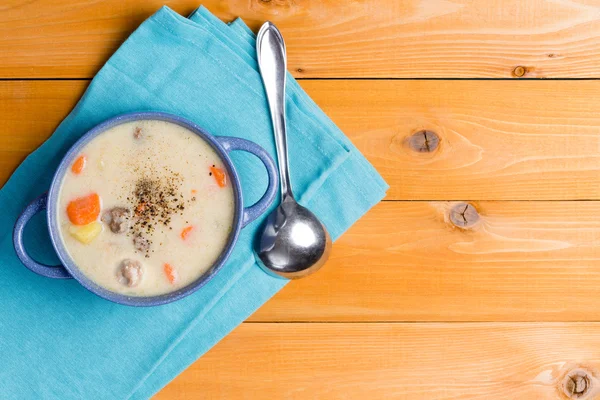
270,50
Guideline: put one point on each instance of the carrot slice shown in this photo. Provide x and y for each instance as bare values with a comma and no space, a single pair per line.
194,191
141,207
186,231
84,210
219,175
78,165
170,272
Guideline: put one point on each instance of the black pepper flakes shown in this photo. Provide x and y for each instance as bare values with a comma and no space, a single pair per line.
154,201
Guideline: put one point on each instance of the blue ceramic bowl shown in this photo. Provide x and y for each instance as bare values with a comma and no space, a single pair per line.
242,216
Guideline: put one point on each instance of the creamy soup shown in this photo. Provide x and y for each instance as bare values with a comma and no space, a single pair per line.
146,208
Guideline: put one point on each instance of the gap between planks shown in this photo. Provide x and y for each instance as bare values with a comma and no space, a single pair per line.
366,78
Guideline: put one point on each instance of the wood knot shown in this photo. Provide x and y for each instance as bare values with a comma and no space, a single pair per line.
519,71
464,215
424,141
577,384
299,70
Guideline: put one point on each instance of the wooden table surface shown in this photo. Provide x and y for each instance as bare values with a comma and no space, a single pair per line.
478,277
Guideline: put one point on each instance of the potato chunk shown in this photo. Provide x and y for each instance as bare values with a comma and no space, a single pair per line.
86,233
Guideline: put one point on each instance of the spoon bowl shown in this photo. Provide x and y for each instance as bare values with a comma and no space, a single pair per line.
294,243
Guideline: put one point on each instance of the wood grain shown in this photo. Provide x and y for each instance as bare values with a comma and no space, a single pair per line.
407,261
366,38
396,361
29,113
496,140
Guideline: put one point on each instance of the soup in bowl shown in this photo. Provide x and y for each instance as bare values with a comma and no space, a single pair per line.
145,208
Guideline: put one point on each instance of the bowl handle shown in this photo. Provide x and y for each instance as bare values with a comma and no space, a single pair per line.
255,210
57,271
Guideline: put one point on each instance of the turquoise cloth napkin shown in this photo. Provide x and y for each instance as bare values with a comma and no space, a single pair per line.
57,340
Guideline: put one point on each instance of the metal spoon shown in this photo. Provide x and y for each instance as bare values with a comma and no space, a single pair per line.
293,243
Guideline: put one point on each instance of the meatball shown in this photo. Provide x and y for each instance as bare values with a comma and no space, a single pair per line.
130,273
141,243
117,219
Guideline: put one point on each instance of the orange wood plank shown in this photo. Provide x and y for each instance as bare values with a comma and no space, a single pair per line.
408,261
498,140
328,38
398,361
29,113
